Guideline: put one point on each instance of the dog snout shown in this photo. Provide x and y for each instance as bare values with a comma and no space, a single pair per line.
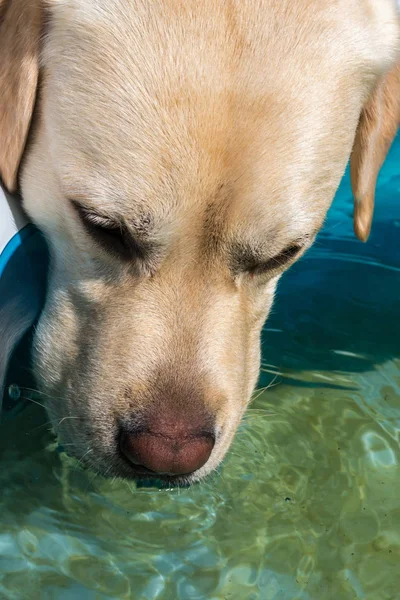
168,446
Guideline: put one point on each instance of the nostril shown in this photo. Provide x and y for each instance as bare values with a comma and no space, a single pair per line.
127,447
164,454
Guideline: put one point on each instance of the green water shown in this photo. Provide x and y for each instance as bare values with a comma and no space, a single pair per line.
306,505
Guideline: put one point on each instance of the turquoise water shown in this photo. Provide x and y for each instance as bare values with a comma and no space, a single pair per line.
305,507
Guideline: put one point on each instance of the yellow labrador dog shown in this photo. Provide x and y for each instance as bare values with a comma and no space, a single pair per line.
179,155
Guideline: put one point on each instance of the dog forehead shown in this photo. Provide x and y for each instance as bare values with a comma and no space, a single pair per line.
164,103
164,35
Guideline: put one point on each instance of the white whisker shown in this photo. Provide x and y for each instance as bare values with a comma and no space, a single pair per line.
64,419
34,401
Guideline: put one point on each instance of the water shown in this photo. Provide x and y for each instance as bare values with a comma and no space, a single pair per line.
306,506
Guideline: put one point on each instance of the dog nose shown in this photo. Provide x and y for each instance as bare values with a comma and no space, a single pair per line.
168,452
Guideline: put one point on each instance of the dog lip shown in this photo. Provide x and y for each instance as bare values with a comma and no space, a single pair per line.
143,470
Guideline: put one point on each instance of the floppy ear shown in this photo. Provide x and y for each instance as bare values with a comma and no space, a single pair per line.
376,130
20,28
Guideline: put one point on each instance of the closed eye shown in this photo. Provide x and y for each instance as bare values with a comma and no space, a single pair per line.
113,236
276,262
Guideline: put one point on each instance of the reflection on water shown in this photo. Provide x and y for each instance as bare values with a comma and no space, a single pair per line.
305,507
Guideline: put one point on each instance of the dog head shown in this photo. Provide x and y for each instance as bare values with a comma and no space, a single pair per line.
179,156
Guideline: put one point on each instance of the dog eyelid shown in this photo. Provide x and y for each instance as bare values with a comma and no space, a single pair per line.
100,221
275,262
91,215
113,236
